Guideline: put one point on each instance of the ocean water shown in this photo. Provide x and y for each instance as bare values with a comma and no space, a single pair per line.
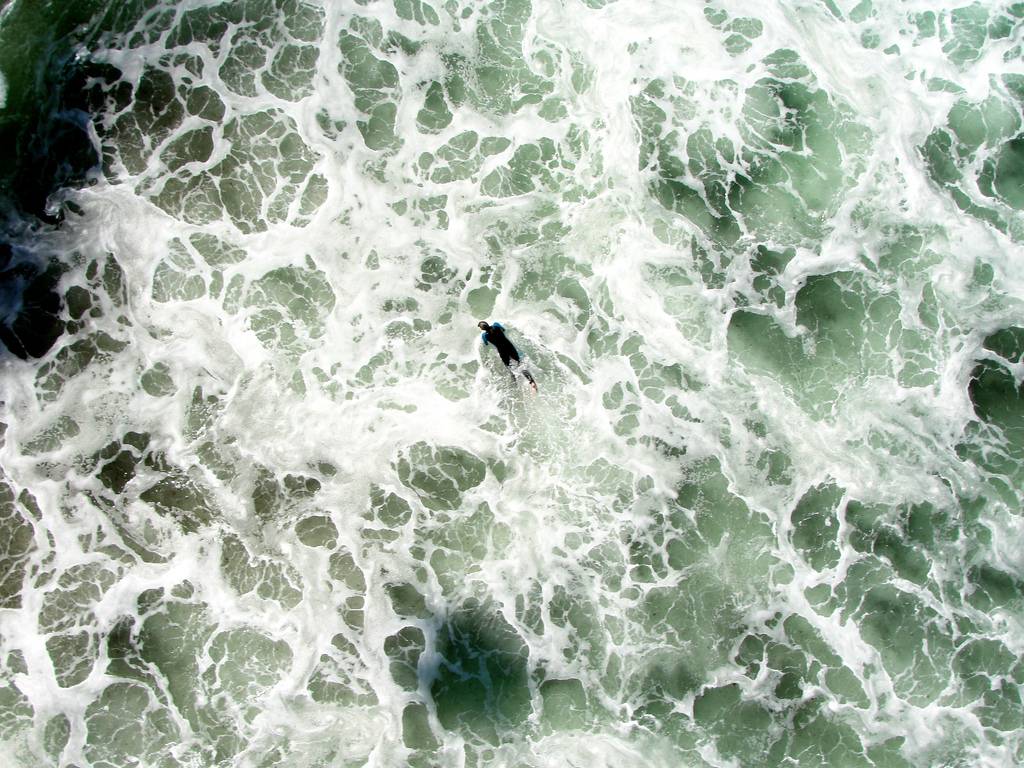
266,501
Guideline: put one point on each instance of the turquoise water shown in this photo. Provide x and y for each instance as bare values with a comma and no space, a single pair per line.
265,500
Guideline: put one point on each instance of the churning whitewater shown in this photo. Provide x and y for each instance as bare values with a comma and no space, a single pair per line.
266,501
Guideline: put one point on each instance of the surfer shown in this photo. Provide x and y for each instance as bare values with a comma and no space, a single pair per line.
495,334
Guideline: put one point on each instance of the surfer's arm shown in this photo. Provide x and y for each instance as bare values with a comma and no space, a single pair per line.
483,338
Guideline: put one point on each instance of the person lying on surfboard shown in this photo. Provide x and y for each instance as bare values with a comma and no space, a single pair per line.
495,334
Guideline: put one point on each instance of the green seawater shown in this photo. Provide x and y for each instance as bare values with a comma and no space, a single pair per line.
266,500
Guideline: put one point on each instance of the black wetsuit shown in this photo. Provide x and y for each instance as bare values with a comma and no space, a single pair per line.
495,334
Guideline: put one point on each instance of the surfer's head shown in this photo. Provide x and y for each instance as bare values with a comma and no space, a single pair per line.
483,326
